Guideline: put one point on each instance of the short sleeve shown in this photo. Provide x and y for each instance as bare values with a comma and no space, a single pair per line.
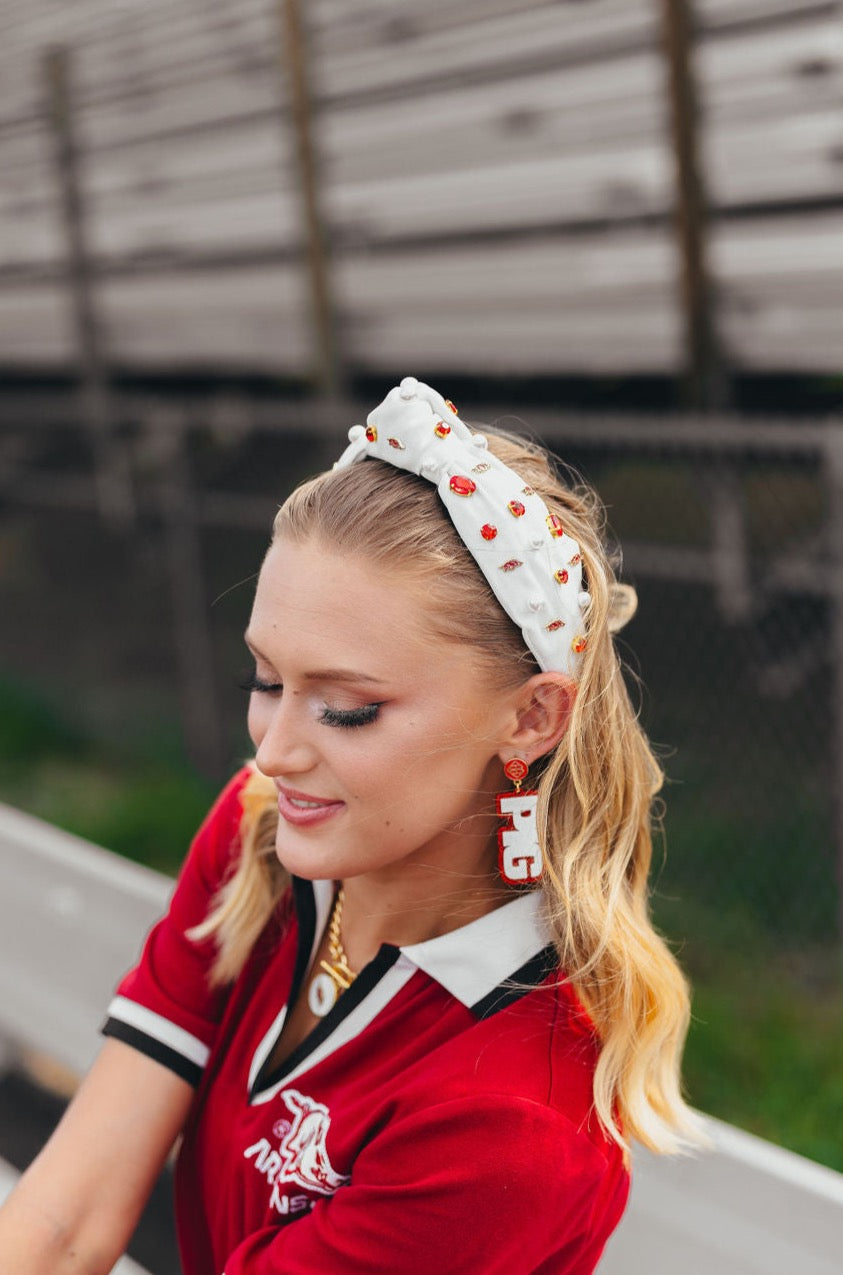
166,1006
506,1186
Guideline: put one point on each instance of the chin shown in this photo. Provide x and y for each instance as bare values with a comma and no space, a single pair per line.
299,865
309,862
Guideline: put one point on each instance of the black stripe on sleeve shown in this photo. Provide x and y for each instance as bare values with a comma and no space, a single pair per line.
170,1058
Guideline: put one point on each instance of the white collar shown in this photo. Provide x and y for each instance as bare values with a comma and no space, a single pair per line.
473,961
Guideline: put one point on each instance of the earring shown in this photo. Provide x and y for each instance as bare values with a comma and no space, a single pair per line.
519,852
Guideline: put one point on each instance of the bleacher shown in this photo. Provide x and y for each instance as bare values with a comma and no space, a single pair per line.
496,177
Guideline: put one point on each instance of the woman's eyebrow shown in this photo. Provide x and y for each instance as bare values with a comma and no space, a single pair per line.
325,674
341,675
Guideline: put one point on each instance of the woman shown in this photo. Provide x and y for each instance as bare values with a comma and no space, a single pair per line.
431,1050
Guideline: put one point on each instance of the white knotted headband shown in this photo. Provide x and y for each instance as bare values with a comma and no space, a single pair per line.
531,563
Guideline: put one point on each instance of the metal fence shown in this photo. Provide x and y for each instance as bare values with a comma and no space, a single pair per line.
732,534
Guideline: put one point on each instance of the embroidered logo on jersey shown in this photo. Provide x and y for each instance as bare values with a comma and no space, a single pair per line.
301,1157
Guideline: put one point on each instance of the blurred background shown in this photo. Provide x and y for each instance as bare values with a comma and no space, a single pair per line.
227,227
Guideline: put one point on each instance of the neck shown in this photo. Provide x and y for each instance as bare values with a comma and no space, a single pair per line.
417,906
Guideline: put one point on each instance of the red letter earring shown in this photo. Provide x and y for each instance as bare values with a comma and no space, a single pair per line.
519,852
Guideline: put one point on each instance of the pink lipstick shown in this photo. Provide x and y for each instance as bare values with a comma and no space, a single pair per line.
303,809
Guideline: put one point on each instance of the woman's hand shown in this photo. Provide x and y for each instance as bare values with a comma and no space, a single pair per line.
75,1208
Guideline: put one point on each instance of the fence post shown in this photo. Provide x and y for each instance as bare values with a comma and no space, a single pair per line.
706,382
183,550
328,367
112,477
834,486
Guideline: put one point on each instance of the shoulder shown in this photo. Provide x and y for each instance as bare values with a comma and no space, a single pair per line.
167,1006
529,1066
540,1047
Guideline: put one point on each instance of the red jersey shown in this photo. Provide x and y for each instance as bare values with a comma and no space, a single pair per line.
438,1119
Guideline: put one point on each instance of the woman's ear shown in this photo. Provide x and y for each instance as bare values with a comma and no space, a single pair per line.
543,713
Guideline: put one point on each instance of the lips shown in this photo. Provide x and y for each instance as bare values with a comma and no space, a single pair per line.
304,809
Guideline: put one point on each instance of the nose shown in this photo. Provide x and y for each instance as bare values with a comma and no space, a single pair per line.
280,738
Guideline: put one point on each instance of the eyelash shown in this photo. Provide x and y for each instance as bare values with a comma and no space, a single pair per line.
255,683
350,717
347,718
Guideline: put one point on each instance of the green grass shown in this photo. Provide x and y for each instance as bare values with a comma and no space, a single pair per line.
131,802
766,1038
764,1053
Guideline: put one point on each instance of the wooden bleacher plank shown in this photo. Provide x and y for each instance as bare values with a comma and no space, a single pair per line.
779,293
186,161
371,139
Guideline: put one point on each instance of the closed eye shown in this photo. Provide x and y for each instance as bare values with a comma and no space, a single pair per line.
349,716
255,683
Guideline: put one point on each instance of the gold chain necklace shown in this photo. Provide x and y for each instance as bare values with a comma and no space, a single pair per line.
336,976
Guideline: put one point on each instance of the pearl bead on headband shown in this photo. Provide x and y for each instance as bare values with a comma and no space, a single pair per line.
532,565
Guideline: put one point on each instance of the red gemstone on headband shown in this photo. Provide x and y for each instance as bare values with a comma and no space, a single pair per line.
554,625
561,576
448,403
516,508
371,433
462,486
576,560
397,444
441,430
554,525
578,645
528,491
512,564
488,532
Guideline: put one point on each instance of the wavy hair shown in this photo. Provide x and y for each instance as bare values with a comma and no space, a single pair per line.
596,789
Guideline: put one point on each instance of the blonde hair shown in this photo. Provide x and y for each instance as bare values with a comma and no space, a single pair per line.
596,789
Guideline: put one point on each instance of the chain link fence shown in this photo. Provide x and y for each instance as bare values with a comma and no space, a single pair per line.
734,643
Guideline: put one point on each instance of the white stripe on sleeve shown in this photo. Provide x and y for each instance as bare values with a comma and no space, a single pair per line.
160,1029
